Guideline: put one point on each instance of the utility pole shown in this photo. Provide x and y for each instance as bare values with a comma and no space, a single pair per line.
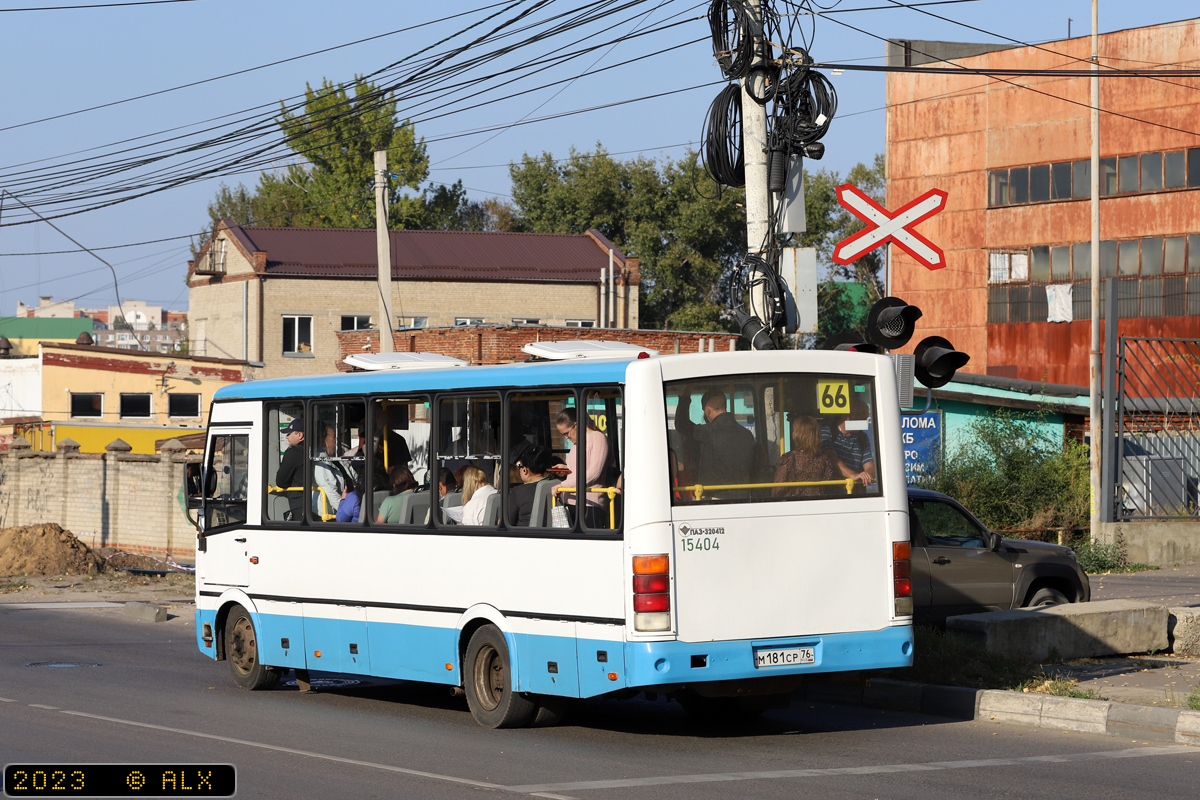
754,139
383,252
1094,361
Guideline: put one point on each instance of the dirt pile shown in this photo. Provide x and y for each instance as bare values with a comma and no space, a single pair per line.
45,550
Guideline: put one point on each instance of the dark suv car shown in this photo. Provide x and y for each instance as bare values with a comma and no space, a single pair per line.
961,567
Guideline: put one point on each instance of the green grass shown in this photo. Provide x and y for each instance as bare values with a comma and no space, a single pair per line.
1193,699
13,585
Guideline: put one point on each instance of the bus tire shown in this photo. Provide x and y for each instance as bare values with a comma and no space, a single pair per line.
488,683
241,652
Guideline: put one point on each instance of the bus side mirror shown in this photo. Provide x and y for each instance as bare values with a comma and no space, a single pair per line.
192,489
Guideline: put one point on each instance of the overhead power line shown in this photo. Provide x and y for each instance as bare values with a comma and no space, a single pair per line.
97,5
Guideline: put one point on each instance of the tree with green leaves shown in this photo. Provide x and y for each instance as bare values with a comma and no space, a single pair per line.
336,133
686,232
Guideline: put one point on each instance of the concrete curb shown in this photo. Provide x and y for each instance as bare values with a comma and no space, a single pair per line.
1148,723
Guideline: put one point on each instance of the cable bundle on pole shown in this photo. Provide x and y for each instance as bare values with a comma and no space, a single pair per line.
723,155
806,103
733,46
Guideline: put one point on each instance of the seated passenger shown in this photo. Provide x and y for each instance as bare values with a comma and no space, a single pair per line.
329,476
446,483
476,491
532,467
350,504
850,450
804,462
401,483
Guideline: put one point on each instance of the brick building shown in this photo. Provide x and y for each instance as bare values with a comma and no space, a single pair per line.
501,344
280,295
1015,162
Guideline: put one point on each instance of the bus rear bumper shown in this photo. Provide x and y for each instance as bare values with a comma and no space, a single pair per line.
650,664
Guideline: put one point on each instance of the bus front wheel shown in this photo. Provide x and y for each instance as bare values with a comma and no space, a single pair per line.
489,690
241,651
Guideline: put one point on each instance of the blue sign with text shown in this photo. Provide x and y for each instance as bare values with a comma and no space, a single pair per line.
921,435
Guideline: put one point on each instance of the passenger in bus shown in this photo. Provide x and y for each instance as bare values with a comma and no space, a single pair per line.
727,451
532,466
850,450
476,491
400,483
804,462
387,421
446,483
596,467
290,474
350,505
330,476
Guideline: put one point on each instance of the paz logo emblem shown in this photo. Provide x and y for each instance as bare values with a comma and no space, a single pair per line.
684,530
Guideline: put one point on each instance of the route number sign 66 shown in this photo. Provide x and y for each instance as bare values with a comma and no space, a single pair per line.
833,397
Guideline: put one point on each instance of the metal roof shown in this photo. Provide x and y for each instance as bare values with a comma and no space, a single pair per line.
432,255
44,327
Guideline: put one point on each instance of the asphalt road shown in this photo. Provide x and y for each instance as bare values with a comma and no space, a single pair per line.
1169,586
142,693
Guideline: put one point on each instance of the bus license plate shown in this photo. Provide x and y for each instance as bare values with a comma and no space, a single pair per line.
784,657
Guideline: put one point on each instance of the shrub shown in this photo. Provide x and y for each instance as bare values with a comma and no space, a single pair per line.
1016,472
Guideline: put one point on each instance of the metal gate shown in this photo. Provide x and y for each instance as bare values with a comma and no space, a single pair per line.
1156,448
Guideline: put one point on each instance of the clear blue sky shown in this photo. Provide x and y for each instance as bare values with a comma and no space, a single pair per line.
61,61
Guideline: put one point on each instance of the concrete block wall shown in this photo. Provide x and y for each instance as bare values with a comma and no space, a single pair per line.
116,499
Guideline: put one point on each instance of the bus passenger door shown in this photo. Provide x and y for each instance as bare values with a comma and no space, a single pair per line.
225,558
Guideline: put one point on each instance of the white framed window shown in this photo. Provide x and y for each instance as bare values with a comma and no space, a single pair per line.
467,321
297,335
526,321
419,322
87,404
581,323
183,405
357,322
136,405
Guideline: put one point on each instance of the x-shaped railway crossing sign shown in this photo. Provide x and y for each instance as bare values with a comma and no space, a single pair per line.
883,227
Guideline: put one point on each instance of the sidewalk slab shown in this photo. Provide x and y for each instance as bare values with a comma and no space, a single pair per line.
1074,630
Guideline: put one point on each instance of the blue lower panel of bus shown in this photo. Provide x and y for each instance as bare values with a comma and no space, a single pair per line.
555,664
659,663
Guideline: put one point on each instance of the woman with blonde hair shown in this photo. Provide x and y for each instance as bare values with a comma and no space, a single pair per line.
475,491
804,462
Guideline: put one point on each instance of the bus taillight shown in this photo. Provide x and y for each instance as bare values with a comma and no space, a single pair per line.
651,593
902,578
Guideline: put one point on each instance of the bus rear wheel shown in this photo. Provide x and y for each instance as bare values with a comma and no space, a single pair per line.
489,690
241,652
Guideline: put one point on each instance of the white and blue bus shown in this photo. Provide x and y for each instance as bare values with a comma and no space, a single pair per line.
724,553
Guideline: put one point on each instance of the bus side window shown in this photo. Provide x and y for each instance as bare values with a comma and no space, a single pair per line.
226,481
284,503
606,420
398,448
336,461
544,419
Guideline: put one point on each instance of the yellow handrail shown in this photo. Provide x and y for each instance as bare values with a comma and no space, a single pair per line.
611,491
325,516
699,489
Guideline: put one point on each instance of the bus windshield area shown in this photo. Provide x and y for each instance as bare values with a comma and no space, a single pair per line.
770,438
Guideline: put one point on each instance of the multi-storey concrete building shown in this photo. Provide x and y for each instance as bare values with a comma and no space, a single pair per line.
1014,155
279,295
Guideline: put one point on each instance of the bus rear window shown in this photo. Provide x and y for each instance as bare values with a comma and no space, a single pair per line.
771,438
